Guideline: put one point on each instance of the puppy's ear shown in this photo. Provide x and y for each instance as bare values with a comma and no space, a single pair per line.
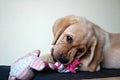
61,24
95,55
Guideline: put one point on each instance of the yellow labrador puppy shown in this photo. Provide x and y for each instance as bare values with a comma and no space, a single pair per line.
76,37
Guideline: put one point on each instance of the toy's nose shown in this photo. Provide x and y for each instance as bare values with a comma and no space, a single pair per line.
62,59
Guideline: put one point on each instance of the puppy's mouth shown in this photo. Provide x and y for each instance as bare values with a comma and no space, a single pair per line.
62,59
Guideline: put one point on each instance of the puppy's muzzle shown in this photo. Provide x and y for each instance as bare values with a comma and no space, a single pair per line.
61,58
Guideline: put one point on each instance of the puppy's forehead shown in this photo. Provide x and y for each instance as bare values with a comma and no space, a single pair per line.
76,29
78,32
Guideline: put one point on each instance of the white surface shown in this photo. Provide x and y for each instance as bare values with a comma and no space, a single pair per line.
26,25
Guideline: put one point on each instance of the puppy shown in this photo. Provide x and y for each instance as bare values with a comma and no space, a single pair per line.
77,37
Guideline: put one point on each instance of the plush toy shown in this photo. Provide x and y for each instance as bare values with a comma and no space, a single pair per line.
23,68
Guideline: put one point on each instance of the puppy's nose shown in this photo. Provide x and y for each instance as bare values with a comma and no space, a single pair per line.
62,59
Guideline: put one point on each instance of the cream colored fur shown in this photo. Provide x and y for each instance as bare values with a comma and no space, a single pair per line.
101,48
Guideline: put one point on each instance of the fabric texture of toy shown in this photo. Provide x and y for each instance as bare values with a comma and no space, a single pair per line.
23,68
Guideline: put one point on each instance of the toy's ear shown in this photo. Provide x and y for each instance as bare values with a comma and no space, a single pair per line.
61,24
36,53
37,64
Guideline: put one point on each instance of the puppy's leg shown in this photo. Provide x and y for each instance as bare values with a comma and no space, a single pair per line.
98,68
47,58
85,64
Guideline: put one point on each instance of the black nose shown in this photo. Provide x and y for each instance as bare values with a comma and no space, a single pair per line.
62,59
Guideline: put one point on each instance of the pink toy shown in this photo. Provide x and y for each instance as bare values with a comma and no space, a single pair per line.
23,68
64,69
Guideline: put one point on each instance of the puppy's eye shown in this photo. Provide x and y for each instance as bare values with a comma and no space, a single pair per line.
69,39
80,50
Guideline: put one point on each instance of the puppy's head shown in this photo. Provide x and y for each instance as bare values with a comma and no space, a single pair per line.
73,37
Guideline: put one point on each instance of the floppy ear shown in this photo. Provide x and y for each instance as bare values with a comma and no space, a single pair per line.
95,55
61,24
